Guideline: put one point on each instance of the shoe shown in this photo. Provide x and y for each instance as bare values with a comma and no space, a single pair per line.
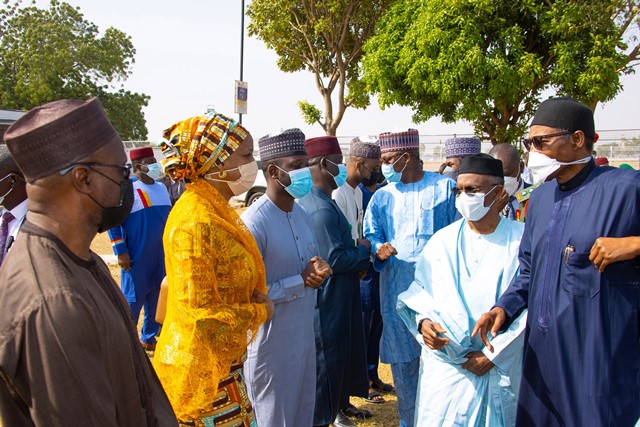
382,387
353,412
342,420
374,397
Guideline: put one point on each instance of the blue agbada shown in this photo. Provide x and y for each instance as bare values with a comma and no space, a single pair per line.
581,362
370,283
405,215
459,274
340,354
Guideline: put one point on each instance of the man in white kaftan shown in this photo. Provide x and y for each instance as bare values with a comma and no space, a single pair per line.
463,269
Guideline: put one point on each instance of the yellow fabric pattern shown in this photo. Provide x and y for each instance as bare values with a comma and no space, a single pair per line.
194,145
213,266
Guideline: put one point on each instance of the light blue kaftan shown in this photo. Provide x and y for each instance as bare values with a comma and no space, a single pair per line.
459,276
281,361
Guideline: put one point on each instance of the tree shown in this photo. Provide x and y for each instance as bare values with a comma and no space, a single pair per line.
324,37
488,61
54,53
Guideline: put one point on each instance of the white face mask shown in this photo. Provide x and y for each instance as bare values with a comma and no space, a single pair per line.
511,183
450,172
542,167
248,173
471,206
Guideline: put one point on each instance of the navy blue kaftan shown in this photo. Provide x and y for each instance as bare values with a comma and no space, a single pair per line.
582,345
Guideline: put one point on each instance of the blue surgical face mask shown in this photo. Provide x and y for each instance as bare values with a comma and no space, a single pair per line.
154,171
341,178
300,182
390,173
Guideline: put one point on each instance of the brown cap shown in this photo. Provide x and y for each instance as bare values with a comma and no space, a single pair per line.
56,135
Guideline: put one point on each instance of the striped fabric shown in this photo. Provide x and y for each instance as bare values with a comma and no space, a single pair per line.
461,147
144,198
192,146
231,406
283,143
408,140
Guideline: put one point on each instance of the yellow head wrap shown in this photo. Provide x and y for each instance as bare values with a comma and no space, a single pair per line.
194,145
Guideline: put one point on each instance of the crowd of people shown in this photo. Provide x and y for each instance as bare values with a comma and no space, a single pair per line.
501,290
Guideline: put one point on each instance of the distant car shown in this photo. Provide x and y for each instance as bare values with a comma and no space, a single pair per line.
258,189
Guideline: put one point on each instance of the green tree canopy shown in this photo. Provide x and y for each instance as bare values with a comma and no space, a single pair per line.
488,61
54,53
324,37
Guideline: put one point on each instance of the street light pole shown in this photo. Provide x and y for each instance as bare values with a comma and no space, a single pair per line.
241,50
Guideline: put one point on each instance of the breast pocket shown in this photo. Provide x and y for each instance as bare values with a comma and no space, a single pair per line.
312,251
425,217
579,278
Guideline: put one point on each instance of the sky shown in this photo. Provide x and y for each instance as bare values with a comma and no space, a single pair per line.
188,58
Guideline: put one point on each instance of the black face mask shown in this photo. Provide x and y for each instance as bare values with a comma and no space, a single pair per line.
374,178
113,216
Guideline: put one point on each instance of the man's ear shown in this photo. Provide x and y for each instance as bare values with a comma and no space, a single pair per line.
323,163
578,139
82,180
273,171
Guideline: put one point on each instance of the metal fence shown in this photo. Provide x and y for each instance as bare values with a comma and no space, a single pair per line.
619,146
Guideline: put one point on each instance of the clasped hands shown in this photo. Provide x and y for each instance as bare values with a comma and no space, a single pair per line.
433,336
316,272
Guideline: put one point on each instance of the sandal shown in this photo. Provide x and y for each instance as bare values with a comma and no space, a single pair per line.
353,412
382,387
374,397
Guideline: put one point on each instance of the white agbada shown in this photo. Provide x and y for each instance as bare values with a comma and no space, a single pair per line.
349,200
459,276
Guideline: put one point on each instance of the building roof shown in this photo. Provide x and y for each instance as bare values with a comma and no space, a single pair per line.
7,117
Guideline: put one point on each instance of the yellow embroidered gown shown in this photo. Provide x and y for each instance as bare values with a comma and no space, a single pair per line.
213,266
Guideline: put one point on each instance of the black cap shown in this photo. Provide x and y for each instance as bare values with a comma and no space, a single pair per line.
565,113
481,164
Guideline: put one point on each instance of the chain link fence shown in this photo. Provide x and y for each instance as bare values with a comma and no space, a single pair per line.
618,145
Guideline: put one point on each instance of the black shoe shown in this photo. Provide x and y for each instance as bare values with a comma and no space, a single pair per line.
342,420
353,412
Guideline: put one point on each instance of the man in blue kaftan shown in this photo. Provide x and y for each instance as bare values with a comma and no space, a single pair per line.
138,243
340,354
399,221
463,269
281,361
579,278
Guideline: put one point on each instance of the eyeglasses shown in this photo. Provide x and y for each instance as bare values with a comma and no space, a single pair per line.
126,169
472,190
536,141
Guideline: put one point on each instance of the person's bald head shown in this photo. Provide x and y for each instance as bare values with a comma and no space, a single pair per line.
7,163
12,183
508,155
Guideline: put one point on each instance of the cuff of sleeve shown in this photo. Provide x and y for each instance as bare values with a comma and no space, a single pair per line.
119,248
287,289
293,288
489,354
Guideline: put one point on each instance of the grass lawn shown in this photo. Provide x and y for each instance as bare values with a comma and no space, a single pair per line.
384,414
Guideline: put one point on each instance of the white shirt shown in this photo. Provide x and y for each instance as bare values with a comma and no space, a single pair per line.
349,200
18,213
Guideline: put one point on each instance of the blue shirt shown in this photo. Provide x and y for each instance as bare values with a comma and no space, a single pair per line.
141,236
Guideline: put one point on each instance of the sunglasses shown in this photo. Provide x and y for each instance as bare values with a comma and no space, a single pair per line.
537,141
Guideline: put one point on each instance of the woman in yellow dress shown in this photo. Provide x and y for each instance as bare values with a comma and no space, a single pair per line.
216,279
